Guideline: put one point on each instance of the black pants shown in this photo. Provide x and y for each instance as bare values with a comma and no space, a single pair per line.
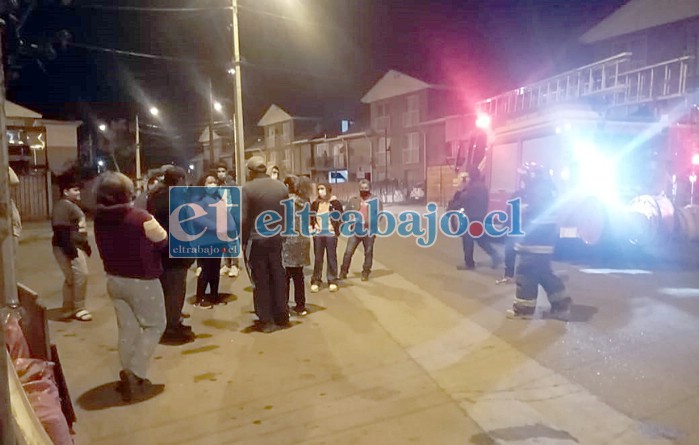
534,270
269,276
510,257
174,283
352,244
468,244
296,274
324,246
210,276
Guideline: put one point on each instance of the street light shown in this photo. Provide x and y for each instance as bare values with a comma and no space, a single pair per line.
217,106
154,111
102,127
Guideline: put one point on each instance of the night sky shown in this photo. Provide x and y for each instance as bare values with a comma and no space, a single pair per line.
312,57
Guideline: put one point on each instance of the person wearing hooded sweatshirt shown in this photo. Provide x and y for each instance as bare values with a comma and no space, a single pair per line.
326,231
71,248
130,242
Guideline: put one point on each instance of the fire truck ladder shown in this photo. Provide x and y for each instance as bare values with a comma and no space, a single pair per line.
606,78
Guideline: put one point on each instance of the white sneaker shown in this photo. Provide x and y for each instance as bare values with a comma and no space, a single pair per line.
224,270
314,288
197,272
233,272
333,287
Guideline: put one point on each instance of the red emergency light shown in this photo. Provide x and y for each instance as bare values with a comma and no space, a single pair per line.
695,159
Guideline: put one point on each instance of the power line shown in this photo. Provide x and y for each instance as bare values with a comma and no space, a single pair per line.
152,9
139,54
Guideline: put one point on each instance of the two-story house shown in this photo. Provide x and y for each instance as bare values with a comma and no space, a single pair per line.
281,130
415,125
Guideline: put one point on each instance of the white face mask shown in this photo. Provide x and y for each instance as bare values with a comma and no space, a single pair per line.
322,193
275,175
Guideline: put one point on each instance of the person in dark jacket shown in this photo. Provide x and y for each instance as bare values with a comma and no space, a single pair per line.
510,241
296,250
472,199
174,277
264,253
130,242
326,231
71,248
361,204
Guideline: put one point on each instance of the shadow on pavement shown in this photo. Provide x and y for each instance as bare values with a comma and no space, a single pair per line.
580,313
107,396
257,328
56,314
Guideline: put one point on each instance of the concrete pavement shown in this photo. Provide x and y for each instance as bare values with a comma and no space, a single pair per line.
419,354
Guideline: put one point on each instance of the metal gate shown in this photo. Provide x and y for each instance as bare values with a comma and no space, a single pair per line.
32,196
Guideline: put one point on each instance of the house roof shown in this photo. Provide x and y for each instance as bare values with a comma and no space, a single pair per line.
204,138
12,110
639,15
392,84
274,115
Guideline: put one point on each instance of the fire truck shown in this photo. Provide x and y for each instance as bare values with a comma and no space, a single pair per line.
622,147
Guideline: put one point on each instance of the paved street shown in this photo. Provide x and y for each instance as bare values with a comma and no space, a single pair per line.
422,353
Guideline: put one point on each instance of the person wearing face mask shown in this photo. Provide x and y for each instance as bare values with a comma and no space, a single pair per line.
210,276
361,203
274,173
326,231
230,265
141,201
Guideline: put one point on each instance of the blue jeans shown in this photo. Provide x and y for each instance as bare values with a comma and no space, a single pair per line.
352,244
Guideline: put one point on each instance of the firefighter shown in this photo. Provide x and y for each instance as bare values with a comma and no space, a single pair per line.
535,249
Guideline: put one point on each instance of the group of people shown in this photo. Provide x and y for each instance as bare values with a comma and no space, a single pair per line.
148,287
276,263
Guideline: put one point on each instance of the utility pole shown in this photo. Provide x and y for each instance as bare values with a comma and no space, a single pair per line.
211,124
138,153
8,279
239,127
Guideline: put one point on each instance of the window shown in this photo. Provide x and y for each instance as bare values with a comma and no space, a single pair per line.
286,133
289,160
382,119
412,117
322,155
411,152
270,138
380,152
339,155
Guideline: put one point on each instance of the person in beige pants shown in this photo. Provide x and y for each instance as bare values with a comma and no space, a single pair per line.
71,249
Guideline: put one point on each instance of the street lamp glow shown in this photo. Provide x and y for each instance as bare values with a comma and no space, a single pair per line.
191,166
100,163
217,106
102,127
231,71
154,111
